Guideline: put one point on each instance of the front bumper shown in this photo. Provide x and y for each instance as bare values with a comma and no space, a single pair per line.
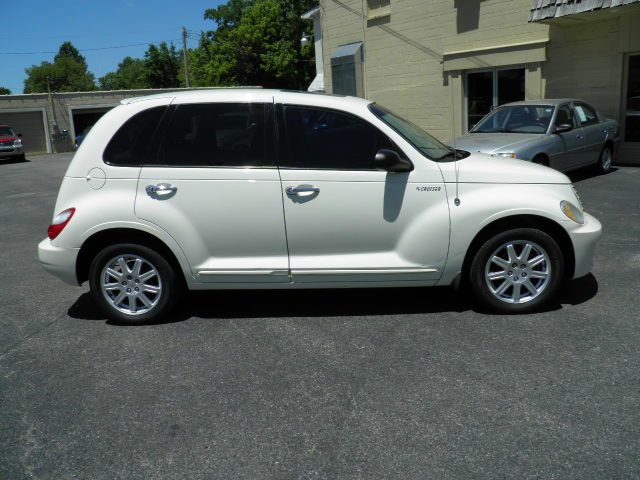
585,239
60,262
11,152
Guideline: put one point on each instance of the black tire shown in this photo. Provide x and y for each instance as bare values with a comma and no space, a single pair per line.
604,160
480,285
165,278
22,158
541,160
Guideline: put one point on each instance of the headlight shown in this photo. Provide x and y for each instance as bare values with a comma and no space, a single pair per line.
506,154
17,142
572,212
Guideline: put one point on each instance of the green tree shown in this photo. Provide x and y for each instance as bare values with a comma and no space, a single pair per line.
5,91
162,66
67,73
257,42
128,76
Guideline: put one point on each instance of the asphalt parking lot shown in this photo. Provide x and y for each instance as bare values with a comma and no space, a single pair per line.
394,383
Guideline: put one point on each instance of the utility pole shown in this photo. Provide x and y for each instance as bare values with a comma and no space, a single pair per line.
187,83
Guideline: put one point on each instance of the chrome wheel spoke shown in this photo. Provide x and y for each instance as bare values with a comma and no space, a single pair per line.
136,267
534,262
133,305
114,273
516,292
496,275
150,289
112,286
502,288
511,251
529,286
147,275
143,298
118,300
500,261
526,251
538,274
123,266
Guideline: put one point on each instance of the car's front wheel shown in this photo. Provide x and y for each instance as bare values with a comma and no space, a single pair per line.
132,283
517,271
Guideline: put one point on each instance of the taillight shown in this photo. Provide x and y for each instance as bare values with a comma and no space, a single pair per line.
59,222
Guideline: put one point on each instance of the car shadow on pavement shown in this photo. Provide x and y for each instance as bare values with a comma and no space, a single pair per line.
586,173
8,161
224,304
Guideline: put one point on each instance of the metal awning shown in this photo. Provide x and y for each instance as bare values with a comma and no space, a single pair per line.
547,9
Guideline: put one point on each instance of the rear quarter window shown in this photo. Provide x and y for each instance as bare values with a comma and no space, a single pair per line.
130,145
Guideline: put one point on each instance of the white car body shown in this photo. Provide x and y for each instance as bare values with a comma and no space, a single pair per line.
237,228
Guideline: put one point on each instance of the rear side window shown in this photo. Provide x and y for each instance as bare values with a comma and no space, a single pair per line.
327,139
130,144
216,135
586,114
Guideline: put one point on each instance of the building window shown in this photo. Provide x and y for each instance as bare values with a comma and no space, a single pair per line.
378,9
346,70
488,89
632,110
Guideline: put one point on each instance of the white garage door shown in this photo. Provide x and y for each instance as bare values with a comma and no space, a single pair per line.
30,125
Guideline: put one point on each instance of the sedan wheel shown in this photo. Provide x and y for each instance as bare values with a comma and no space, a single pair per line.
132,283
604,162
517,271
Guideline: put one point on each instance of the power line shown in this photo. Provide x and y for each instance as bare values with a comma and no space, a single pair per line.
94,49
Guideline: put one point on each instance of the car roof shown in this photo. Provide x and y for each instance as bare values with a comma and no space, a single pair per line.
252,94
544,101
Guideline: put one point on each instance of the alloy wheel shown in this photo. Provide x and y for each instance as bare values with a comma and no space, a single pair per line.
518,271
131,284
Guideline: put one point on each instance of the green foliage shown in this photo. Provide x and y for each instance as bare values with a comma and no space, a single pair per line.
67,73
162,66
257,42
128,76
5,91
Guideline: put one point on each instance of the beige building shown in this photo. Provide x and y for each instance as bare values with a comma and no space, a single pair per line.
445,63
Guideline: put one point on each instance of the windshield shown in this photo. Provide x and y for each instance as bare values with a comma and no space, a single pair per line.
417,137
516,119
6,131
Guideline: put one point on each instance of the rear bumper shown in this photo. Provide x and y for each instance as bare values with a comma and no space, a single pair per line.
60,262
585,239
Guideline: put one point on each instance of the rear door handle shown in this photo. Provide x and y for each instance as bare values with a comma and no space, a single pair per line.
161,189
301,189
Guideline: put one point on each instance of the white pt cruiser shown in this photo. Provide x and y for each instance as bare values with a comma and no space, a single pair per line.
248,189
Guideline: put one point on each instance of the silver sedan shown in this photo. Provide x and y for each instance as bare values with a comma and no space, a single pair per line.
563,134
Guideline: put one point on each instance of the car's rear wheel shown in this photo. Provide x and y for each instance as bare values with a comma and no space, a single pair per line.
604,161
132,283
517,271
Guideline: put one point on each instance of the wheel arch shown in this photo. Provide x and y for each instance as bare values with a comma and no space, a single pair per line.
97,241
544,224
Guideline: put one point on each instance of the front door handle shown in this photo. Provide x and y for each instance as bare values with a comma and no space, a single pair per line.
301,189
161,189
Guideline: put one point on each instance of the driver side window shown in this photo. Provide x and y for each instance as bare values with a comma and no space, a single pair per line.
328,139
565,116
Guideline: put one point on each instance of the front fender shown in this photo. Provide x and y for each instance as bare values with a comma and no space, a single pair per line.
483,204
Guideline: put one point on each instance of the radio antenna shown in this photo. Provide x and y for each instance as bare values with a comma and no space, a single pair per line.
456,168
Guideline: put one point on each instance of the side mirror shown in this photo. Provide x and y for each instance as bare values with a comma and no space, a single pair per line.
390,161
19,135
563,127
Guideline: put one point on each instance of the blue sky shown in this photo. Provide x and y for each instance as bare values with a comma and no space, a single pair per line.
42,25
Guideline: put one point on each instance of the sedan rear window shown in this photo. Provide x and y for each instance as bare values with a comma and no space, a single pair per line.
6,131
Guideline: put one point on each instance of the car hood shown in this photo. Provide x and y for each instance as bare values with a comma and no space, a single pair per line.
483,168
493,142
